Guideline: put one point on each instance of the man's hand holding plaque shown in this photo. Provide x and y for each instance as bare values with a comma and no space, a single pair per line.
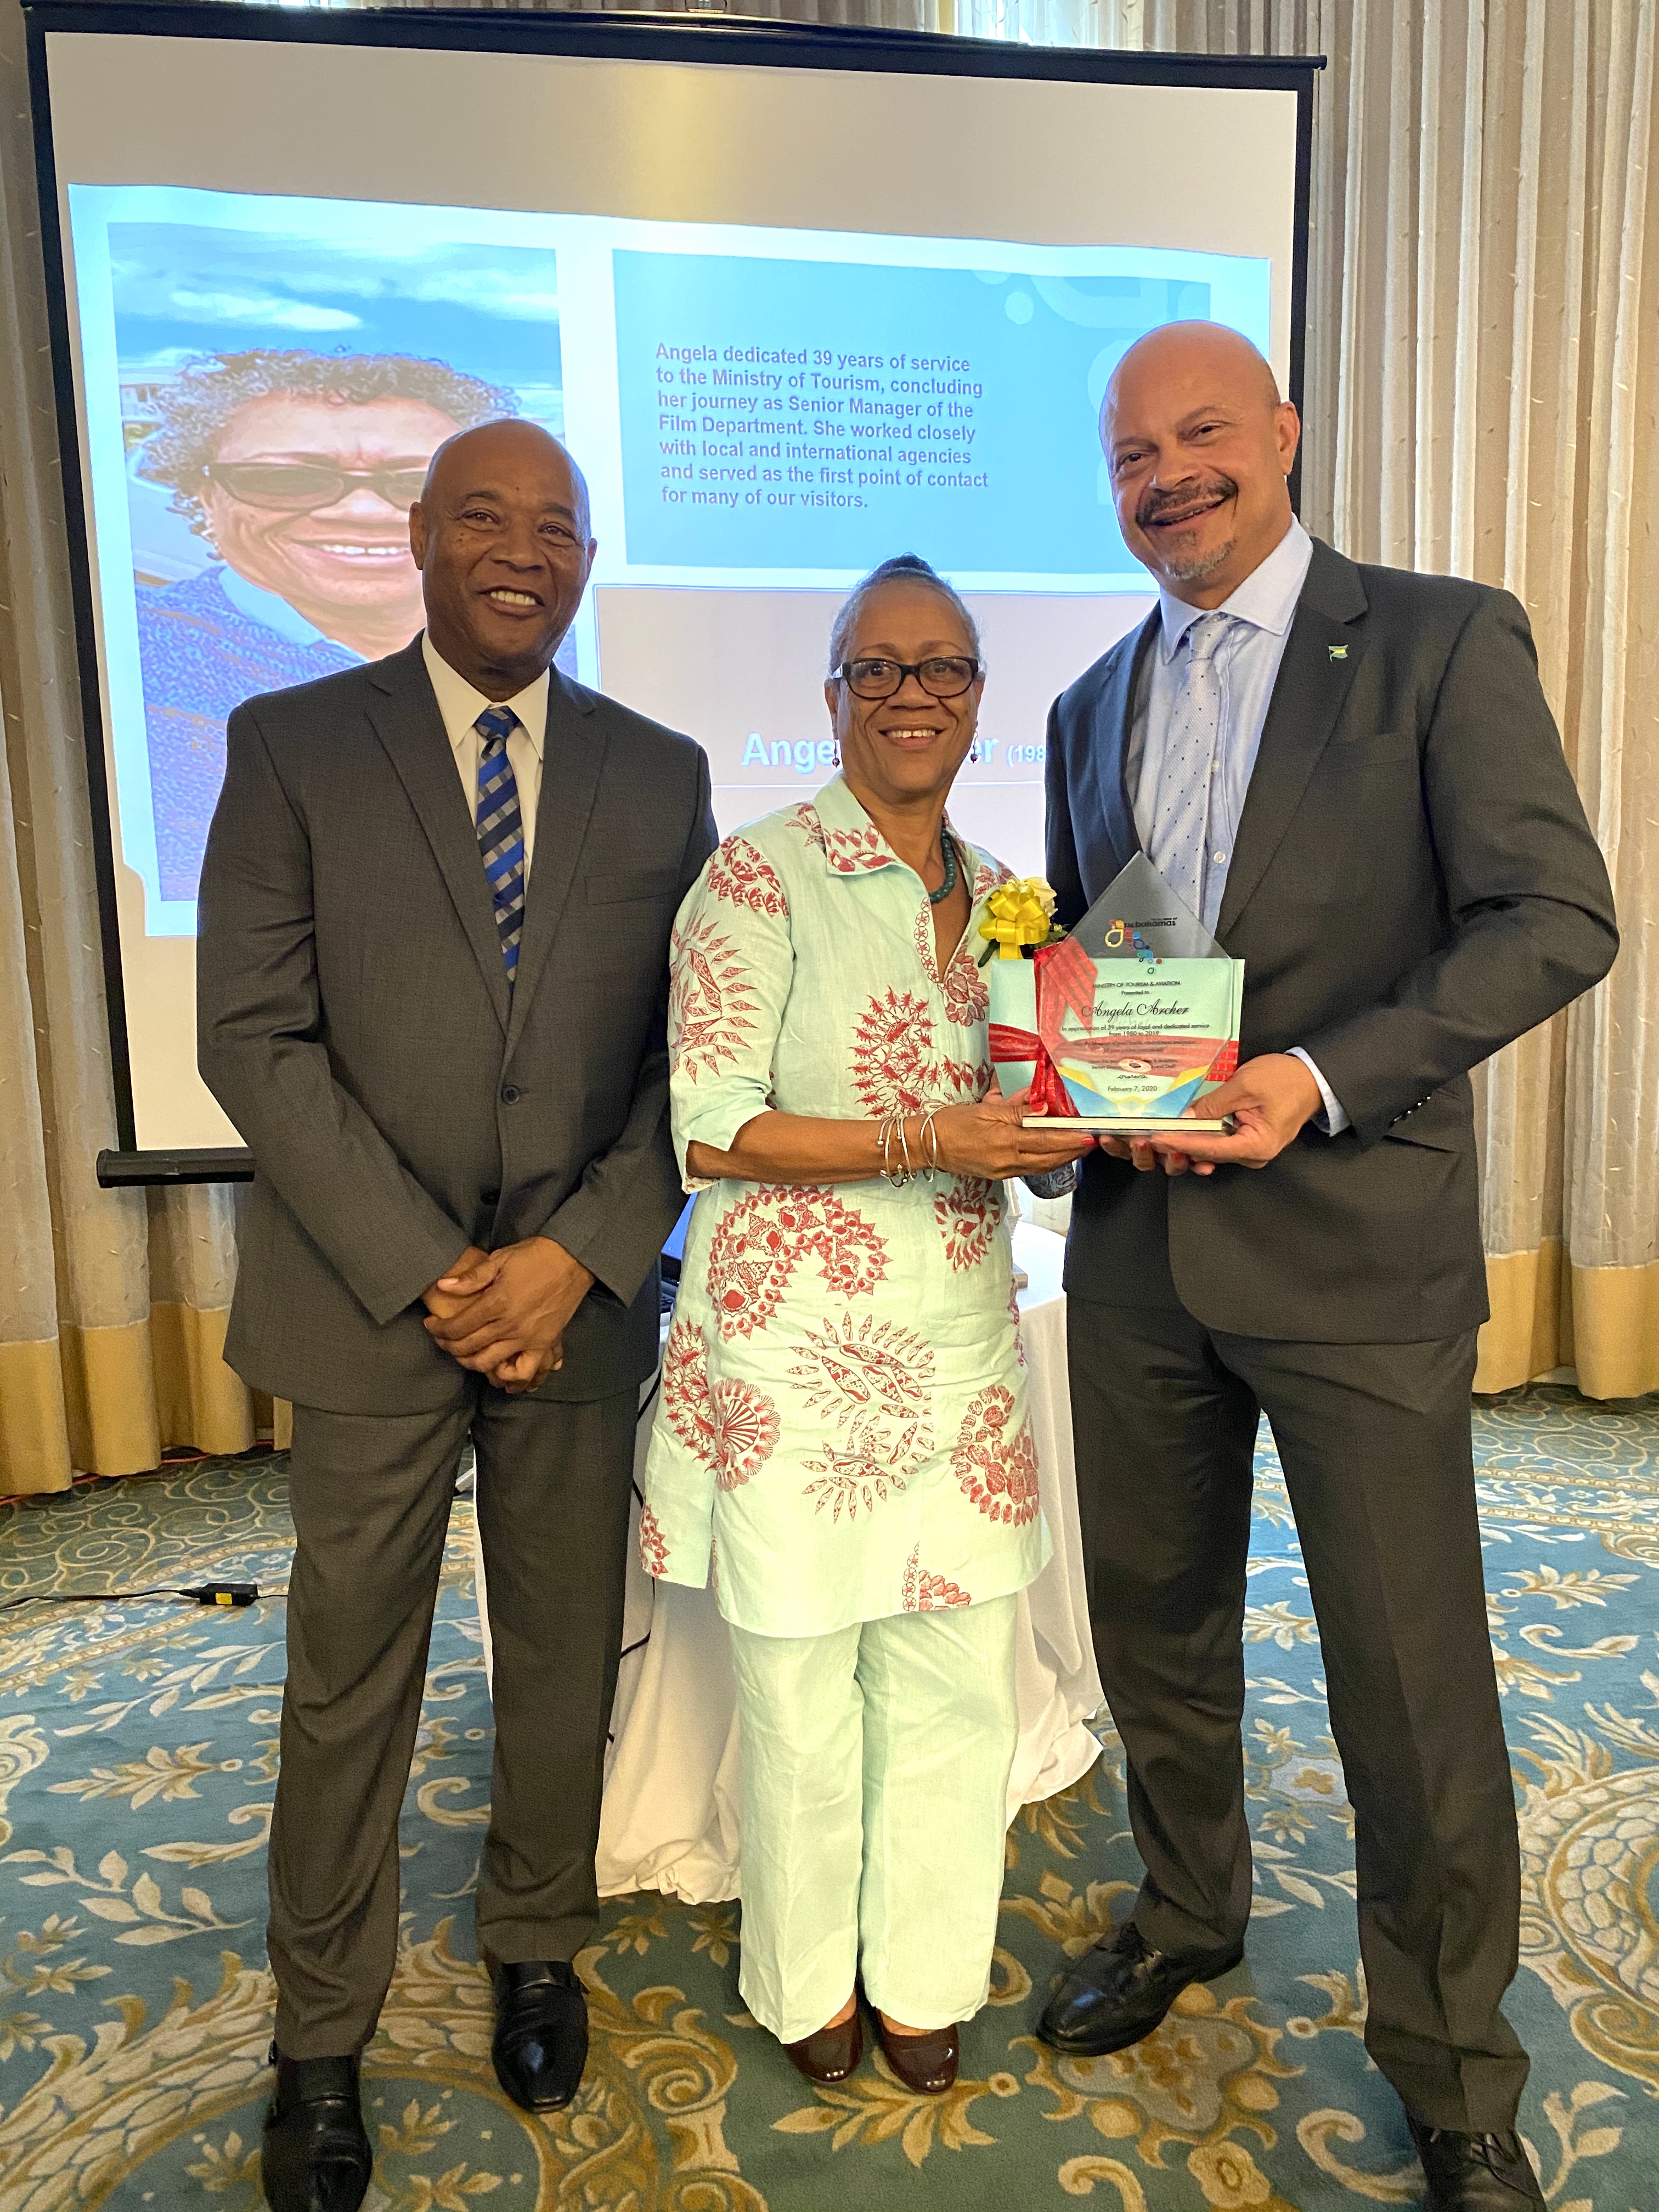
1267,1101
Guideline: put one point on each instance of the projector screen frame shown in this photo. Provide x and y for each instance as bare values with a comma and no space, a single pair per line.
723,39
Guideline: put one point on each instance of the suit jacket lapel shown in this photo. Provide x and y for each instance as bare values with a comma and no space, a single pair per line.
573,759
408,724
1115,725
1321,656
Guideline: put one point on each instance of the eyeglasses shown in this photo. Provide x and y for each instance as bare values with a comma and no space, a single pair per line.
293,487
947,676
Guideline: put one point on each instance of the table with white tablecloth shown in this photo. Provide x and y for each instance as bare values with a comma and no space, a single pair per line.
670,1820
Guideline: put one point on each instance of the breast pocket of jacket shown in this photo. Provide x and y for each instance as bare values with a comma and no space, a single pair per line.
1386,753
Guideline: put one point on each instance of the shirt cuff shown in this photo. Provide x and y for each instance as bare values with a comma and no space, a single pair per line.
1334,1119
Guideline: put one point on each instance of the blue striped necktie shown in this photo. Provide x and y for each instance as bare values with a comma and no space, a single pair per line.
501,830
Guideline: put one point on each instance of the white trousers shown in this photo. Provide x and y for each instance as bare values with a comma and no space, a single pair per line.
875,1777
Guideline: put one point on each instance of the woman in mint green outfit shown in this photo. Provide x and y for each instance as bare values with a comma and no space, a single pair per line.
840,1442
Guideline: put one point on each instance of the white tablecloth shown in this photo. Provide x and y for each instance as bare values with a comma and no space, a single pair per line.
670,1820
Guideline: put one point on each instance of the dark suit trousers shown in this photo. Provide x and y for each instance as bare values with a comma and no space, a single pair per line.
1374,1440
370,1498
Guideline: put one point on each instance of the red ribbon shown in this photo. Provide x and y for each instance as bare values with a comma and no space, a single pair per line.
1049,1093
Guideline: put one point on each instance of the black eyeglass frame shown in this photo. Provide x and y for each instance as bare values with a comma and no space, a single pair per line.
343,481
976,668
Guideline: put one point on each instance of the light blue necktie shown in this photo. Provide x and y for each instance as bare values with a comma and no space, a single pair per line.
501,830
1189,792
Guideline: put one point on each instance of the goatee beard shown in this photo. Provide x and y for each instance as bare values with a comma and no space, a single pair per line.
1198,568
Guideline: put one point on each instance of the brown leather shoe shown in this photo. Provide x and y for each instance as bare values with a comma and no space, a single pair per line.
925,2064
832,2054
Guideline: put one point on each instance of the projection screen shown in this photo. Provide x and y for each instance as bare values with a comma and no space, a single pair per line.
797,299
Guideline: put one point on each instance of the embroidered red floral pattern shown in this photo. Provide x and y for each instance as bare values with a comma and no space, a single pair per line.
711,1001
764,1238
894,1064
967,995
928,1593
849,850
870,1382
685,1400
746,1430
996,1470
743,876
805,818
653,1546
845,850
966,1213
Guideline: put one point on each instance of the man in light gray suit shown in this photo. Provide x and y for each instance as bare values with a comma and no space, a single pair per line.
434,920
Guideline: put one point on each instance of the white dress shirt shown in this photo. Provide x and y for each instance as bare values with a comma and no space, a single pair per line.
1247,662
461,706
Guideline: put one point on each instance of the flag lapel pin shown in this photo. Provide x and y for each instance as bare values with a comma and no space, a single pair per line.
1338,652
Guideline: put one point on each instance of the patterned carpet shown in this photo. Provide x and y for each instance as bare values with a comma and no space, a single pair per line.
138,1752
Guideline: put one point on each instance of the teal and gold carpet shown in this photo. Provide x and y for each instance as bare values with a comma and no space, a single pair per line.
137,1753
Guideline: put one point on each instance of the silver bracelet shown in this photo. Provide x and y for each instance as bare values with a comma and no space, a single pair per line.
897,1178
928,1136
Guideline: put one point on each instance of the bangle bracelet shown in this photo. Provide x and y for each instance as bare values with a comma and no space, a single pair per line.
927,1137
897,1178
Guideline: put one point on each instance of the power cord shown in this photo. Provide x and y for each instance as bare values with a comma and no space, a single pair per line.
225,1594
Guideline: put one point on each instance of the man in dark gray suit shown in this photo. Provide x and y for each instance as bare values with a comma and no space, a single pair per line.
1351,776
432,969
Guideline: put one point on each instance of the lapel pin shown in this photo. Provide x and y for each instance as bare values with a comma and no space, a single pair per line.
1338,652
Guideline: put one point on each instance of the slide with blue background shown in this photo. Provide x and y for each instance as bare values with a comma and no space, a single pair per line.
792,414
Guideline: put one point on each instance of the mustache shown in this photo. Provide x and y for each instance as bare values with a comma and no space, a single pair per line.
1157,503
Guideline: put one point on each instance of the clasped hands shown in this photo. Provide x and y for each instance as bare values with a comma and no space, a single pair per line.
504,1314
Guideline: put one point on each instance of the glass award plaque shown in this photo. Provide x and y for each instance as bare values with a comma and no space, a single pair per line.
1125,1023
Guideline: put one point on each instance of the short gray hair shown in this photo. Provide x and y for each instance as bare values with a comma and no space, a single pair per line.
903,568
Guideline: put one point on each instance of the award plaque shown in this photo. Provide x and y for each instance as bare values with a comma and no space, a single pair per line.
1125,1023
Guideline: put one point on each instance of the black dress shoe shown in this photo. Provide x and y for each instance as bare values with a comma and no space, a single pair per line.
316,2156
1488,2172
1119,1992
541,2032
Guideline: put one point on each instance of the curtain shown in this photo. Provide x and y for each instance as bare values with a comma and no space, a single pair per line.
1482,378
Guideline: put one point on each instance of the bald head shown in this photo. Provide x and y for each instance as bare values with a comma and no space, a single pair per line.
500,536
493,444
1199,444
1224,358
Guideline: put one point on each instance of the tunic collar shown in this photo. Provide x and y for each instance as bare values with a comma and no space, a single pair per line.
852,845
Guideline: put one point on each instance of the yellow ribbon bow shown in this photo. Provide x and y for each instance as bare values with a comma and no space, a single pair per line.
1021,912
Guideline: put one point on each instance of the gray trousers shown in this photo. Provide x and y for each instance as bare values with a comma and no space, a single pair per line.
1374,1440
370,1498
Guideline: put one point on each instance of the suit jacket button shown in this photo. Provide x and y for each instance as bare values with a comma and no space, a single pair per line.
509,1094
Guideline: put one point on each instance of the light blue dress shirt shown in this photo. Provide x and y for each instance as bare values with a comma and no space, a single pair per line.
1247,662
